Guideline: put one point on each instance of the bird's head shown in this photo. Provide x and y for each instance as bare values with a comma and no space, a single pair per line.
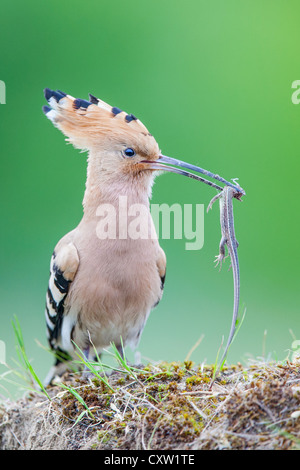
119,144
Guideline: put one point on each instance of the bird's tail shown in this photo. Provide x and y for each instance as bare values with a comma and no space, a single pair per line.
62,364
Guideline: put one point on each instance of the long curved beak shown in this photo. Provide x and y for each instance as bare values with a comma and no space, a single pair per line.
159,164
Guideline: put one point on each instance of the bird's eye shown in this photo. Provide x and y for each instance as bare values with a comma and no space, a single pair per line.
129,152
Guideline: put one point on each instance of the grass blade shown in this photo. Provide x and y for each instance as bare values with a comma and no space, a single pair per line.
78,397
20,346
88,364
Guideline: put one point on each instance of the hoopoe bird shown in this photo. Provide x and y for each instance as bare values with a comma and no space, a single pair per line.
102,289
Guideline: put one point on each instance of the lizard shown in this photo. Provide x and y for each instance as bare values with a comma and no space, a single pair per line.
228,239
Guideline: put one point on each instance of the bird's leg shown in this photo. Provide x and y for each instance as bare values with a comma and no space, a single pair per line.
86,352
120,351
86,371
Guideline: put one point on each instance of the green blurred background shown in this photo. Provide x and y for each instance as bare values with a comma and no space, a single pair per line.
212,82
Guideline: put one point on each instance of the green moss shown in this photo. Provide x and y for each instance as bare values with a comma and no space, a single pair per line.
171,403
121,381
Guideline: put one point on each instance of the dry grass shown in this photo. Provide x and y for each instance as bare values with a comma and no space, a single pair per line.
166,406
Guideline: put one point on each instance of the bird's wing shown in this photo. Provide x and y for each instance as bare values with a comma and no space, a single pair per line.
161,266
161,262
63,268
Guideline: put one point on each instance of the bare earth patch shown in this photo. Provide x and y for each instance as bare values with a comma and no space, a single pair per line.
168,406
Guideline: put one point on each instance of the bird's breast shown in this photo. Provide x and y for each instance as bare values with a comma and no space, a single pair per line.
117,282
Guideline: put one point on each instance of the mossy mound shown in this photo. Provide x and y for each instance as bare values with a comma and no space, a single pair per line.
164,406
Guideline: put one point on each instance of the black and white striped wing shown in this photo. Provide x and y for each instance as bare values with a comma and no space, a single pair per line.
63,267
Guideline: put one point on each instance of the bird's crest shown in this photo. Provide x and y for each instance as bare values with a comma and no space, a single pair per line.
87,123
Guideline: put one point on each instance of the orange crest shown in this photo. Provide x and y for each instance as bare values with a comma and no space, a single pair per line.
95,124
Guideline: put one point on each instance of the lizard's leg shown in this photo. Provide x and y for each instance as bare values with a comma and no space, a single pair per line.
221,256
214,199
